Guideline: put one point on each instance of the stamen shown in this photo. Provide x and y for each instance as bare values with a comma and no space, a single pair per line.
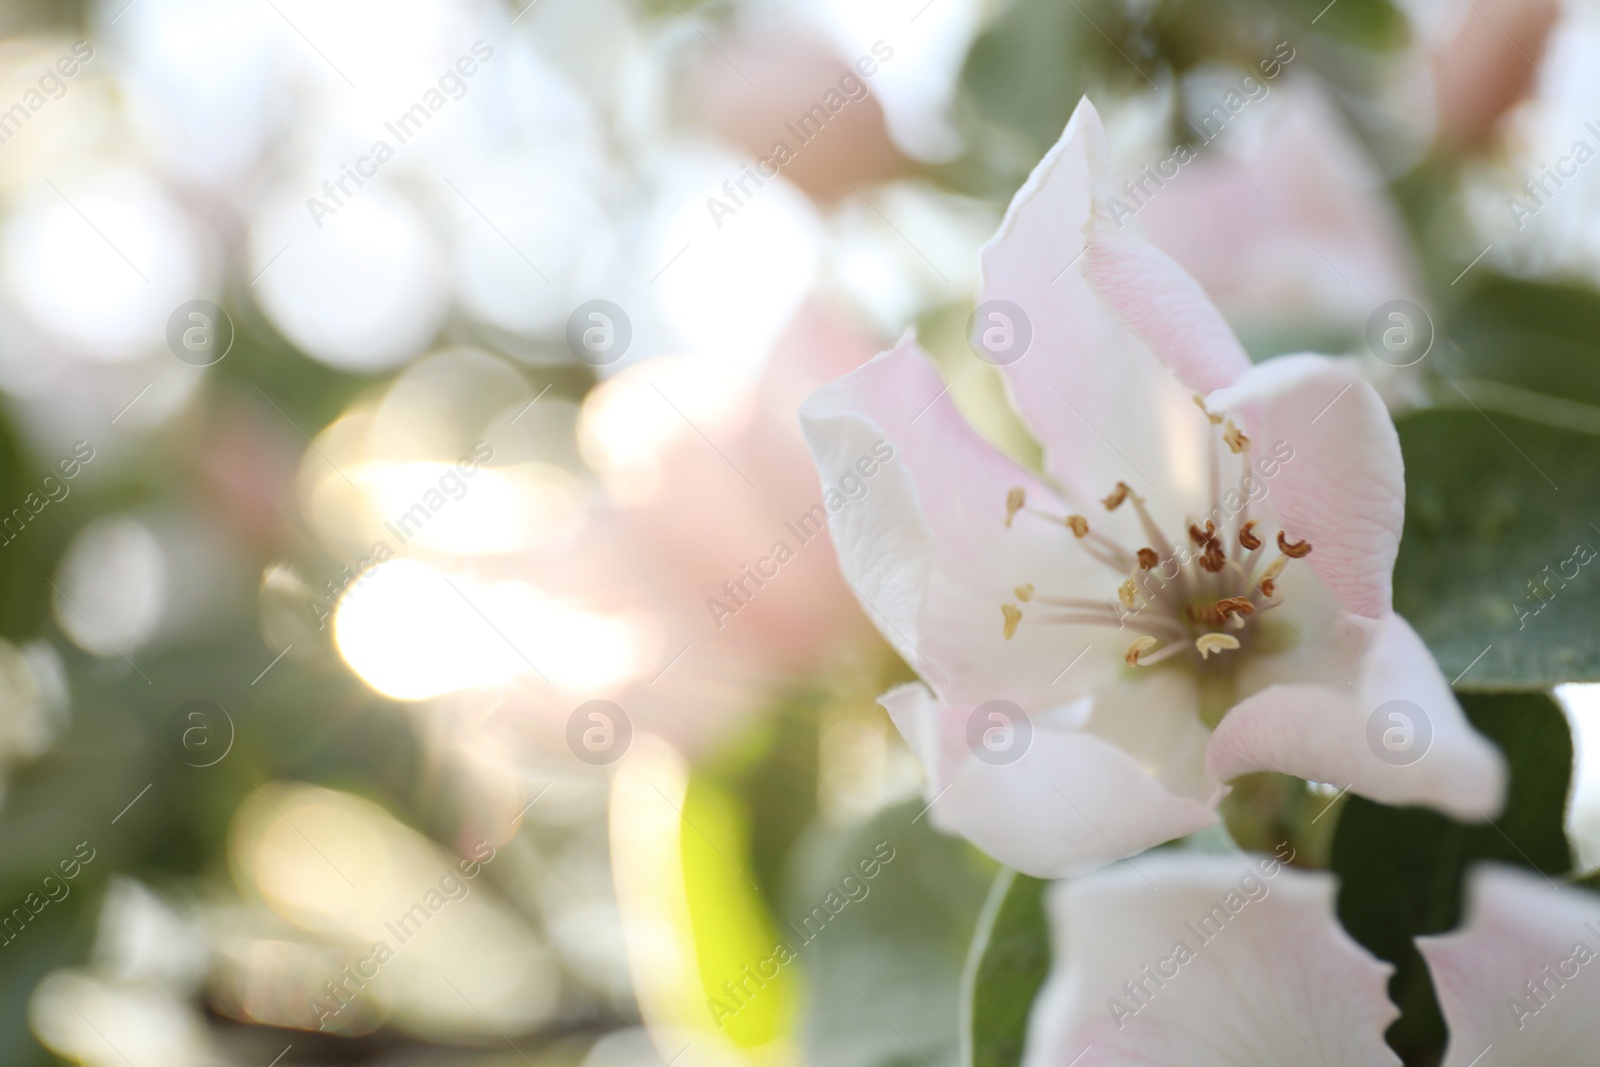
1148,558
1078,524
1016,500
1249,540
1024,592
1235,605
1205,537
1129,594
1013,616
1237,441
1269,577
1213,559
1118,495
1297,550
1209,643
1140,645
1199,402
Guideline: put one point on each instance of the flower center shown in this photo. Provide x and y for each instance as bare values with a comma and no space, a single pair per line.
1202,596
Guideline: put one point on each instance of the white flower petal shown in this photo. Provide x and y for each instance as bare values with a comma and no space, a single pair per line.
1271,980
1520,929
1071,803
927,549
1396,736
1103,406
1341,485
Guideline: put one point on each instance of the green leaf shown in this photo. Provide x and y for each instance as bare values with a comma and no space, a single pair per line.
1491,572
1007,964
883,975
1401,869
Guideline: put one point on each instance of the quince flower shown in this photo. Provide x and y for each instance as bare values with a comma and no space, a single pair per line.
1196,585
1209,961
1522,974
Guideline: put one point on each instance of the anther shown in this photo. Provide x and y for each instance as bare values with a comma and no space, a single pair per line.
1118,495
1128,593
1249,540
1269,577
1139,646
1296,550
1209,643
1148,558
1200,403
1213,559
1235,605
1237,441
1024,592
1013,616
1016,500
1203,537
1078,524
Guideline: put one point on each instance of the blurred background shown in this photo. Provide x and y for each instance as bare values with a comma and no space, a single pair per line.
397,426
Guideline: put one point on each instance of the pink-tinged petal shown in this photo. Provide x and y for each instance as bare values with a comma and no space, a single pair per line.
1104,408
1395,735
1165,308
1520,929
1265,978
926,546
1340,483
1070,803
936,739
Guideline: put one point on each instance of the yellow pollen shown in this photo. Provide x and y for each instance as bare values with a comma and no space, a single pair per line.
1079,525
1139,646
1118,495
1237,441
1199,402
1016,500
1209,643
1024,592
1249,540
1013,615
1127,592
